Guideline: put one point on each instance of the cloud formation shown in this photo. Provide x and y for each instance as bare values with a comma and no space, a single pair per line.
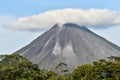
97,18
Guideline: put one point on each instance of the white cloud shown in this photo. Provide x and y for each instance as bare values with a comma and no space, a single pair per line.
98,18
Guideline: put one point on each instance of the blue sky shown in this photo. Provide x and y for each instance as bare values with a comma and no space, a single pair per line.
12,39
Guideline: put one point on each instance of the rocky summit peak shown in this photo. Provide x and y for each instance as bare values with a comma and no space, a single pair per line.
68,25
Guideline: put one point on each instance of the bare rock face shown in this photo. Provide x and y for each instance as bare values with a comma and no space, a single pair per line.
70,44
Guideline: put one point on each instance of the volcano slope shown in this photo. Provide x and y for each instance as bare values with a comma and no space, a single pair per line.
68,43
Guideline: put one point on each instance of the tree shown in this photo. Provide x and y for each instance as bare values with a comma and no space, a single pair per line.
99,70
82,72
16,67
61,67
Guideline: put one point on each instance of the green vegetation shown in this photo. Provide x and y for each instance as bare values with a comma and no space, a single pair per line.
101,70
16,67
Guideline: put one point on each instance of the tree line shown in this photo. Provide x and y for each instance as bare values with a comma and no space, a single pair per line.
16,67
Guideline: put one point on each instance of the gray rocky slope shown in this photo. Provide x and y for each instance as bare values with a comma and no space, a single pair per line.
68,43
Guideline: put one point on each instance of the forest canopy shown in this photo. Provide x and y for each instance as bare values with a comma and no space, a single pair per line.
16,67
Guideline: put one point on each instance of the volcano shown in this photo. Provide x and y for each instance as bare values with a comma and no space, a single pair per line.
68,43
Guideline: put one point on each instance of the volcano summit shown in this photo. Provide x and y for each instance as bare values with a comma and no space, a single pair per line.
68,43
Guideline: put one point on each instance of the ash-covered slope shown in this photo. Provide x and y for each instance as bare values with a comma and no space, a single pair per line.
69,43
